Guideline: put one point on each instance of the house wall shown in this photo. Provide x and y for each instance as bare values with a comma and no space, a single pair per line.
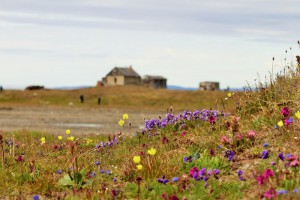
115,80
132,81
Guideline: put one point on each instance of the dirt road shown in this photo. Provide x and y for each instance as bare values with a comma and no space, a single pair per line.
80,120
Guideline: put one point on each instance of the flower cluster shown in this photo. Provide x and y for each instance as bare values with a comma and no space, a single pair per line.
287,119
108,143
210,116
203,173
122,121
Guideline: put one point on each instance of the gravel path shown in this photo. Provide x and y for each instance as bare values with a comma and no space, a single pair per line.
80,120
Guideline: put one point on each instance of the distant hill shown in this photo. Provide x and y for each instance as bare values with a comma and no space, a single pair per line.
176,87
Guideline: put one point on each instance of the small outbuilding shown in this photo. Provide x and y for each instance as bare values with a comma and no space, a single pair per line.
154,81
122,76
208,85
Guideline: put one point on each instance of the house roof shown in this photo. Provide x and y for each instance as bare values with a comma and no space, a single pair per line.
125,71
154,77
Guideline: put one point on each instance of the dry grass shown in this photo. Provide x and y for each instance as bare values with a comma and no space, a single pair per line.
129,97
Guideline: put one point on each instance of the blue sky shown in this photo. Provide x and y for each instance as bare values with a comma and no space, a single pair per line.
77,42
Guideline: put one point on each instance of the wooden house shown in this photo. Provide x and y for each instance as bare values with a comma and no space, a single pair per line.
122,76
154,81
208,85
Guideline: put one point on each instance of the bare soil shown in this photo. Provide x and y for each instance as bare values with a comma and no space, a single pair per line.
80,121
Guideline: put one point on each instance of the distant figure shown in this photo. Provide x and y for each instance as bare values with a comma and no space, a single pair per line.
81,98
1,88
99,100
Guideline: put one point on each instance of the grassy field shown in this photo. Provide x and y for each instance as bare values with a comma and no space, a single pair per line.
246,149
130,97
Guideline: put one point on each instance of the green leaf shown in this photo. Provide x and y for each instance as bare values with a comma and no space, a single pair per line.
78,178
66,180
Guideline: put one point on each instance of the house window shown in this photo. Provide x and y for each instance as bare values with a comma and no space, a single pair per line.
115,80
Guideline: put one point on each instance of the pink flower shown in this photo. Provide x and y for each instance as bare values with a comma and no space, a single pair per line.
239,136
260,180
251,134
270,193
268,173
224,140
183,133
285,111
294,163
193,170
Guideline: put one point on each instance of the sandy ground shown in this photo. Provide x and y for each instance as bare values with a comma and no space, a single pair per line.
79,120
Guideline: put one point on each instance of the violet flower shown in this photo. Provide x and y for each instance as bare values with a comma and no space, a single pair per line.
265,154
281,156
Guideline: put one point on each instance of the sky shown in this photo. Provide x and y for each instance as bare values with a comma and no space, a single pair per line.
77,42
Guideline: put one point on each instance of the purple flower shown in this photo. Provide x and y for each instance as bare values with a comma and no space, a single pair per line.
216,171
273,163
163,180
276,127
281,156
209,172
265,154
36,197
202,172
265,145
93,174
115,179
175,179
230,155
296,190
288,155
59,171
240,172
102,171
97,163
187,159
240,175
108,172
281,192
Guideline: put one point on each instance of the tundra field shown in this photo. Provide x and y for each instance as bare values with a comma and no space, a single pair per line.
142,143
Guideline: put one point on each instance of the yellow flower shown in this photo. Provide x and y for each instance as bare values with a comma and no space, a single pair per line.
59,137
297,114
280,123
68,131
229,95
89,141
71,138
136,159
139,167
152,151
121,122
125,116
43,140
